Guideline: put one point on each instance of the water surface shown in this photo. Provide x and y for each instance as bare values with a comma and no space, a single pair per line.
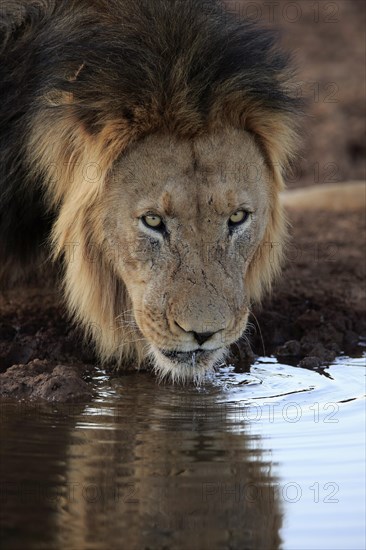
274,458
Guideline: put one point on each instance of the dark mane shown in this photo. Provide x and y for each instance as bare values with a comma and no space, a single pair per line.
183,66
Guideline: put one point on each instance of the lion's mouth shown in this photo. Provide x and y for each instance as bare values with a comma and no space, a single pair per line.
187,357
185,366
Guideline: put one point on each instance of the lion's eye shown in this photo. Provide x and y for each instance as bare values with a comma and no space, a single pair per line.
238,218
153,221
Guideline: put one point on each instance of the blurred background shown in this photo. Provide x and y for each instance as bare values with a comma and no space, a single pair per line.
327,41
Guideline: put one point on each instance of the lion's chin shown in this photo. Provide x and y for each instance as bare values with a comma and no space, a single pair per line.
185,367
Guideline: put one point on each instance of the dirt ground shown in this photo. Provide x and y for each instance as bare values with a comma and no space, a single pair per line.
317,309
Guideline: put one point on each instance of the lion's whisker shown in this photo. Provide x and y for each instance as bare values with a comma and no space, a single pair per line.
260,333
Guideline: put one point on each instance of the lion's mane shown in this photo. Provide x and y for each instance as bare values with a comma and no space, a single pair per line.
81,81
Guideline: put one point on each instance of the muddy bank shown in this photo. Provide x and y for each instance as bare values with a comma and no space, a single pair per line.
41,355
316,311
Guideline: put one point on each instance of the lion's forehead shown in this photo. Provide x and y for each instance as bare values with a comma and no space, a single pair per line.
212,175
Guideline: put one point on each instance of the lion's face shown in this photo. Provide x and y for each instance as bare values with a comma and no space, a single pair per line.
182,221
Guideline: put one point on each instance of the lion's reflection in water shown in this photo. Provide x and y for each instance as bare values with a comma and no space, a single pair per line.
167,470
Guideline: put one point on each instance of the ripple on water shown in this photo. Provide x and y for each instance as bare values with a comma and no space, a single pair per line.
269,379
311,425
156,465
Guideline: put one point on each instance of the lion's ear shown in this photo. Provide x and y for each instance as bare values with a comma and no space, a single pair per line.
57,97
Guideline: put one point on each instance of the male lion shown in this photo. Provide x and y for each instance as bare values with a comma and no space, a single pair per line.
148,140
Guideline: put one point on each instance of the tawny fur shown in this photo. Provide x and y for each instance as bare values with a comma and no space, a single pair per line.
196,77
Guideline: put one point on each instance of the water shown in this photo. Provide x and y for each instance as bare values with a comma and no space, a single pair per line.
274,458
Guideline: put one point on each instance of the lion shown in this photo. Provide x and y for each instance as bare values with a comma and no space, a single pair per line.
145,144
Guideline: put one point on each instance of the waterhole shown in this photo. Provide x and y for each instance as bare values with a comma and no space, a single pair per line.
272,458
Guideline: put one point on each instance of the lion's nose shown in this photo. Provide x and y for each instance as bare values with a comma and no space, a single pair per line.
202,337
